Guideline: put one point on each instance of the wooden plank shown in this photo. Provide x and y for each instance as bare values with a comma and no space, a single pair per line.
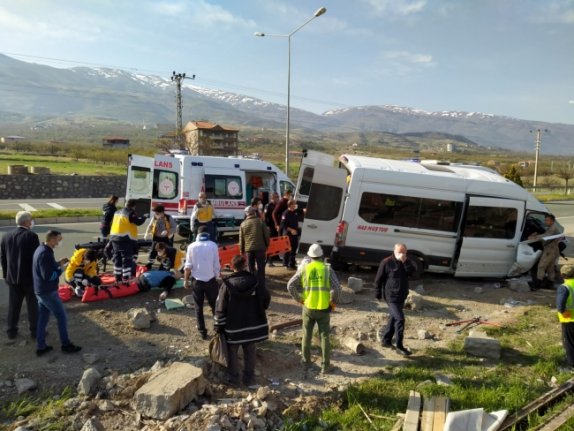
441,407
285,324
398,424
428,414
533,406
413,412
559,420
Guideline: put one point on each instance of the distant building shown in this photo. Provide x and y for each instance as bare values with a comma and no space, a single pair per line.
7,139
203,138
115,142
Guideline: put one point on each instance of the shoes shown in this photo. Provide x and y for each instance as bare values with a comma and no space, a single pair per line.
79,291
163,295
387,345
40,352
329,369
203,335
403,351
71,348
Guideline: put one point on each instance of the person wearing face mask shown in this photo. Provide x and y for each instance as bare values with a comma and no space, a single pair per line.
16,253
257,205
46,272
203,214
253,241
162,229
171,260
392,285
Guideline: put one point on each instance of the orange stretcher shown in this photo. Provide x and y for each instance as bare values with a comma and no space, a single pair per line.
277,245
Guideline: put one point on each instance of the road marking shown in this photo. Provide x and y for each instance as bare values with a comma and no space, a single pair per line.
57,206
27,207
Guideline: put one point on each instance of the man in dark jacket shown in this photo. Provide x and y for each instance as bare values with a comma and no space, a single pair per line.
46,272
270,223
290,227
392,284
240,315
16,253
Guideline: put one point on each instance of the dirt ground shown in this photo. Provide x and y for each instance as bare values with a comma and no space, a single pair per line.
102,328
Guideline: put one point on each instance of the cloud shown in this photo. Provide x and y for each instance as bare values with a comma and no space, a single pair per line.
558,11
200,13
397,7
403,63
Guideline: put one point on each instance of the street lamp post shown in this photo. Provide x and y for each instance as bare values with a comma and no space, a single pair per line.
319,12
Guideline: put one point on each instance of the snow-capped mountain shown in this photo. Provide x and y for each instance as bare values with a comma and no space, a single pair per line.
32,92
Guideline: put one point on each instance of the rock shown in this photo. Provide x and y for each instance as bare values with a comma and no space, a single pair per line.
479,344
24,385
188,301
478,290
169,390
414,301
93,424
263,392
106,406
140,318
443,380
518,285
355,284
347,296
89,381
423,334
420,289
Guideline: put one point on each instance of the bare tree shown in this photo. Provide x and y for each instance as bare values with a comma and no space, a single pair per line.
565,172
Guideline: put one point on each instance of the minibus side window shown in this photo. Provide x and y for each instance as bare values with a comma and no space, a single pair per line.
410,211
490,222
326,204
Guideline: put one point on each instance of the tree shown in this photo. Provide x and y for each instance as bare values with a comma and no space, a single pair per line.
513,175
565,172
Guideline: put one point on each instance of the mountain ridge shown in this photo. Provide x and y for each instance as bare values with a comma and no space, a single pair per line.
31,91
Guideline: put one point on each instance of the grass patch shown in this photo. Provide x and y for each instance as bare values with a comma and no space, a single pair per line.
49,213
47,410
531,355
61,165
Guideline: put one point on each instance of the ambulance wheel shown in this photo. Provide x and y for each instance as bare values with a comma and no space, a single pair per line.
419,265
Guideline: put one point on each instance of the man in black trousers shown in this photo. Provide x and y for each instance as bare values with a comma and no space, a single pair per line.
16,253
392,284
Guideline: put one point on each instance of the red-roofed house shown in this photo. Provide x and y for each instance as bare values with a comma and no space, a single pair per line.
115,142
203,138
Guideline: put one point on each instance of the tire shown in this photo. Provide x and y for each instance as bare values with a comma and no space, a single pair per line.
419,264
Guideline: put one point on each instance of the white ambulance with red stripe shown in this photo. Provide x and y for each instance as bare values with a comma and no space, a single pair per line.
175,180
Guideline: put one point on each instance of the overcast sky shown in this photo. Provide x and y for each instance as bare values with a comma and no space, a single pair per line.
503,57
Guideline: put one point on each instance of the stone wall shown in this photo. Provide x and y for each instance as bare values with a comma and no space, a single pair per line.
60,186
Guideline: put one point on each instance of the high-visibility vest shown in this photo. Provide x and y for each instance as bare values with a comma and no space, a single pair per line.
77,262
121,225
154,225
204,212
569,284
316,285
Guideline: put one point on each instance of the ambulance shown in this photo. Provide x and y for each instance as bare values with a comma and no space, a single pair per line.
175,181
457,219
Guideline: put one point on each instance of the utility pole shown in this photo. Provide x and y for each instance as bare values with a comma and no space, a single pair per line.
537,142
178,77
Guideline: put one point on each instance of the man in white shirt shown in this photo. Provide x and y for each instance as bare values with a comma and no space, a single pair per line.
202,266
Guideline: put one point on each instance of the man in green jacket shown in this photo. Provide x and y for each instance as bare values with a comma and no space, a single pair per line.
253,241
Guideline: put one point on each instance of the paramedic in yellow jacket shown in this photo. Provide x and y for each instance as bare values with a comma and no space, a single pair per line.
172,260
565,307
161,228
82,270
123,234
316,286
203,214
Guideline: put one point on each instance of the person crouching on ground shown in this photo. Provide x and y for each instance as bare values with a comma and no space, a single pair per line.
565,307
171,260
82,270
46,273
240,315
316,286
